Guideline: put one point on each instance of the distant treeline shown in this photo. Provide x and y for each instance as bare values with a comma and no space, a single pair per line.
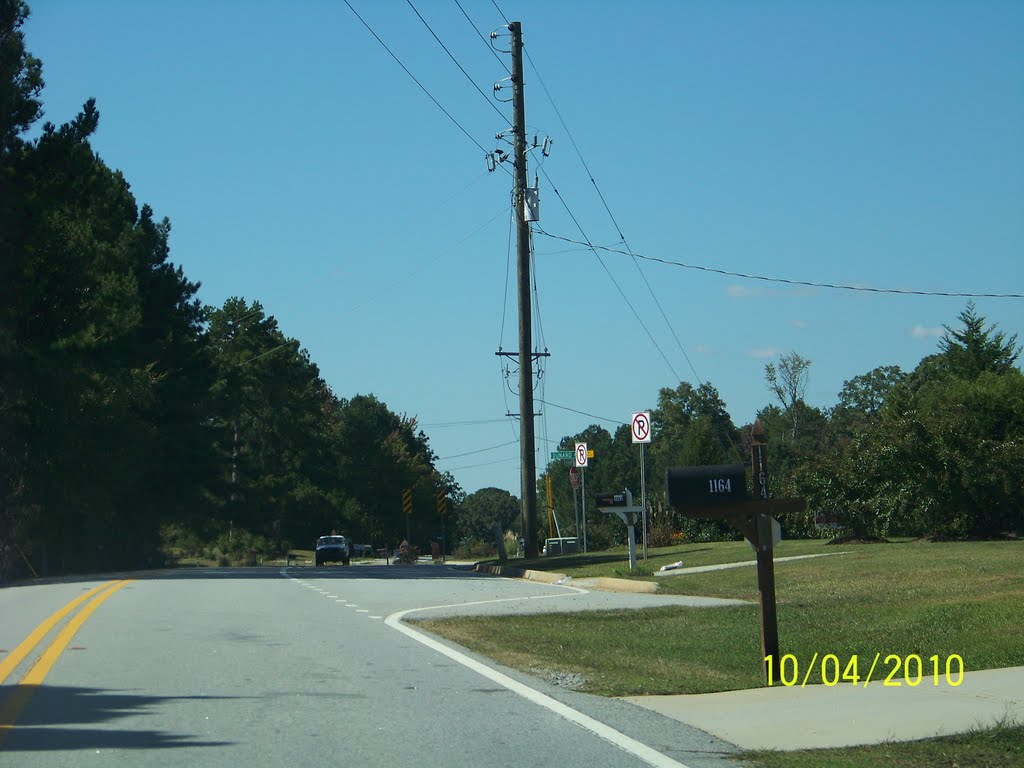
934,452
134,420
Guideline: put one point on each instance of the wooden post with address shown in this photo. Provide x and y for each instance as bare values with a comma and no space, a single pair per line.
765,557
720,491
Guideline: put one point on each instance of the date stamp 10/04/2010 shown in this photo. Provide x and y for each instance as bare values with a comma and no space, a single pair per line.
896,671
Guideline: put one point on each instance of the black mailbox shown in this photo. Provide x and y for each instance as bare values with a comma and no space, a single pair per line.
719,485
612,499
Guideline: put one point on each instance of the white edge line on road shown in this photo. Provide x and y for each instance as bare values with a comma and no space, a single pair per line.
622,741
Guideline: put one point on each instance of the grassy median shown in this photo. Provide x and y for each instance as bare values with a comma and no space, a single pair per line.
932,601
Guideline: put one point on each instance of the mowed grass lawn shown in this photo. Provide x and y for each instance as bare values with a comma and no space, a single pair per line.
906,598
999,747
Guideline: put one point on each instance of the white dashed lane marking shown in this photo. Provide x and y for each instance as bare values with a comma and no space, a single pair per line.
325,593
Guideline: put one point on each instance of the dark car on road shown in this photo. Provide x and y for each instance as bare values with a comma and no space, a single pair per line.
332,549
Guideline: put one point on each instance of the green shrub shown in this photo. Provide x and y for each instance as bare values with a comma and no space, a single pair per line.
475,549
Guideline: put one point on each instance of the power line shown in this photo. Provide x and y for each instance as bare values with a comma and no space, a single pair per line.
582,413
457,64
571,139
622,238
484,39
466,423
508,267
320,276
485,464
495,4
502,366
436,258
262,309
536,299
611,216
414,78
481,450
504,393
544,416
269,351
610,276
786,281
549,442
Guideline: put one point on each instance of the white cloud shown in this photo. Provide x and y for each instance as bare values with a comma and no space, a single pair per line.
762,353
742,292
799,292
745,292
921,332
702,349
799,323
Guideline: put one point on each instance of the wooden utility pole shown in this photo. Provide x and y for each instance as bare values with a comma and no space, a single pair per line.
526,435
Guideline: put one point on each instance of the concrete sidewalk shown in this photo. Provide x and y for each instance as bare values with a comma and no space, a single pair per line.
817,716
740,564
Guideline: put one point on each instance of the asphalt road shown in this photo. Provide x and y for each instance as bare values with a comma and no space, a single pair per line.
304,666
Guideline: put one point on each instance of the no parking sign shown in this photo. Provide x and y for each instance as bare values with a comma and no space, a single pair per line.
641,427
581,455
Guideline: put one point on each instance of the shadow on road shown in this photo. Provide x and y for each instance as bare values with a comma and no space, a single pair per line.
50,712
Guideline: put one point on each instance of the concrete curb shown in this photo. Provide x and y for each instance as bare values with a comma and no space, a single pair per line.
617,585
509,572
603,583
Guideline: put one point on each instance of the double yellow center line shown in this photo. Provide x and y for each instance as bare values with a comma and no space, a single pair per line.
14,704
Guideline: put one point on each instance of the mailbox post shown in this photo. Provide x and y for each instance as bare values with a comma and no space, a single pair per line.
765,556
721,491
621,504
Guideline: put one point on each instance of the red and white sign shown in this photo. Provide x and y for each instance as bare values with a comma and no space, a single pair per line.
581,455
641,427
574,478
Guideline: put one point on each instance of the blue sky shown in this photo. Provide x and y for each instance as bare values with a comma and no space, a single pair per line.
877,144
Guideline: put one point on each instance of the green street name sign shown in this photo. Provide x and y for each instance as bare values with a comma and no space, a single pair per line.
561,455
